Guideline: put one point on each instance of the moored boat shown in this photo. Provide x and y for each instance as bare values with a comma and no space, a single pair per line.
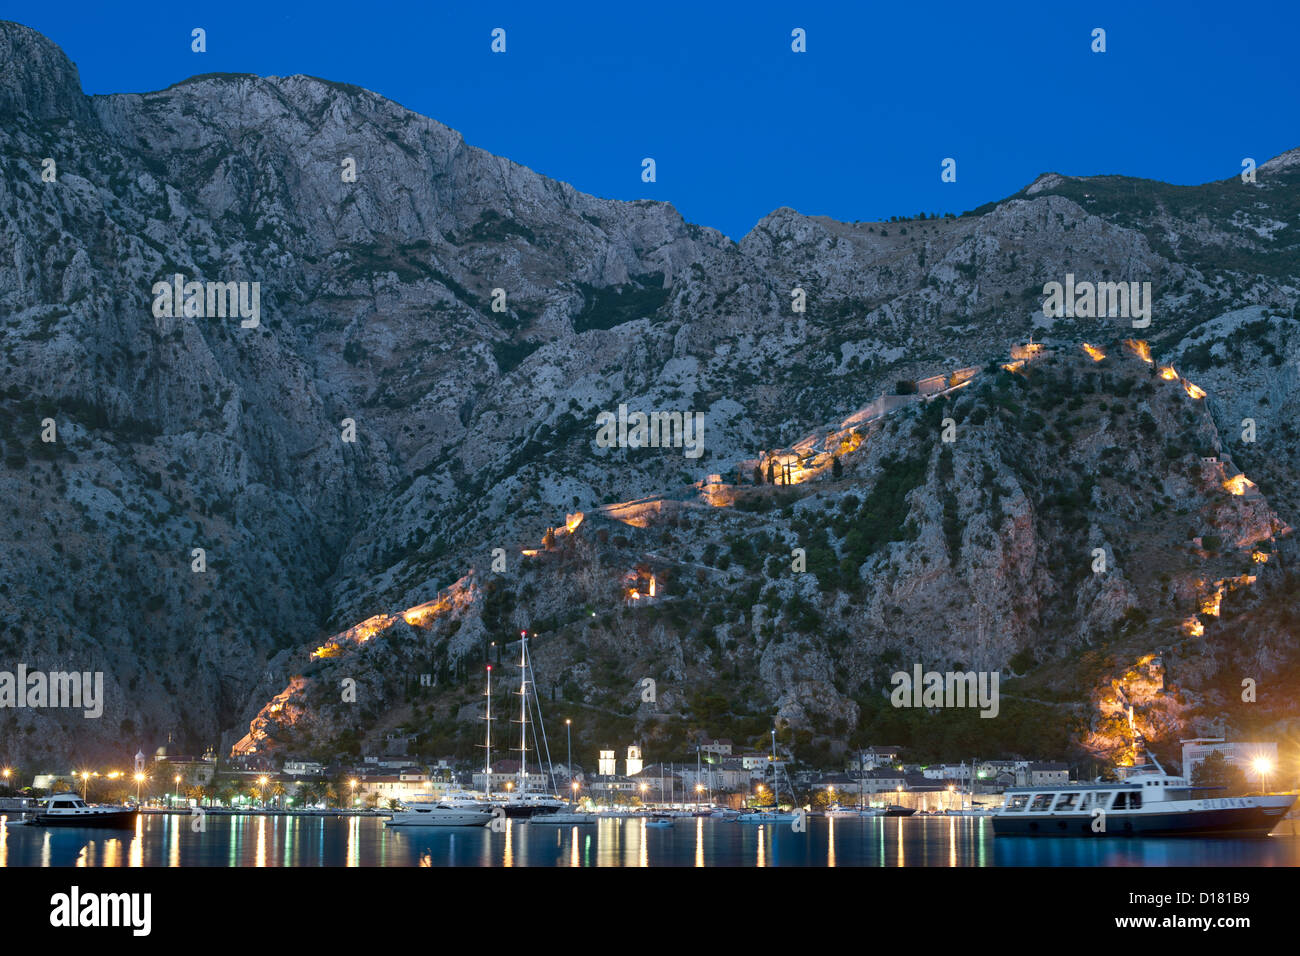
563,818
70,810
438,813
1150,803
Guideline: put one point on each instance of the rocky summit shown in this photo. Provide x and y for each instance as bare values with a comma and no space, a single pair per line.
301,408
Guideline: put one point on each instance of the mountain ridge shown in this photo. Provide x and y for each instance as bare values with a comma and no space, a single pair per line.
475,426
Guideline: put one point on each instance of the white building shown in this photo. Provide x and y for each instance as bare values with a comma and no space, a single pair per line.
401,786
633,761
303,768
1256,760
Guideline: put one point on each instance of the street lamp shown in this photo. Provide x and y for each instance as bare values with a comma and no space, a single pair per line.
568,749
178,786
139,779
353,783
261,791
1263,767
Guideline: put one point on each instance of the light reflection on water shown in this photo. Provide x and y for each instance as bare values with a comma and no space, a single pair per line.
166,840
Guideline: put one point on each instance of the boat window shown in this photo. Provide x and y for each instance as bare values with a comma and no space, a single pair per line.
1068,801
1041,801
1135,800
1017,801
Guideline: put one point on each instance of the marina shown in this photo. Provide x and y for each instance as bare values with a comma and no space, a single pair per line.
165,840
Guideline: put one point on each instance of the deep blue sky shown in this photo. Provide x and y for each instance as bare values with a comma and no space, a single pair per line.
855,128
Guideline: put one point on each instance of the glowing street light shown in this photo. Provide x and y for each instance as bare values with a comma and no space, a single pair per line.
177,781
261,790
1263,768
139,779
353,784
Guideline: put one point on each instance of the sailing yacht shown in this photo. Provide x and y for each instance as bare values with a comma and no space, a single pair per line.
520,803
771,814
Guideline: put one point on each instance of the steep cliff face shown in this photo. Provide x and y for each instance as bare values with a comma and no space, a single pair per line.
1069,516
474,427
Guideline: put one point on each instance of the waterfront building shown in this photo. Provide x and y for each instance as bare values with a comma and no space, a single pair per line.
1041,774
303,768
1258,760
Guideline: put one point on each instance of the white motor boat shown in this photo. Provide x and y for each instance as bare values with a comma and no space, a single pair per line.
417,813
70,810
563,818
767,816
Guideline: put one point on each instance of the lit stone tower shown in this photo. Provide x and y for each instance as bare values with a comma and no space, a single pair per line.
633,761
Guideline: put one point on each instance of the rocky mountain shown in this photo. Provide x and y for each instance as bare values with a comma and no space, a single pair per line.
439,329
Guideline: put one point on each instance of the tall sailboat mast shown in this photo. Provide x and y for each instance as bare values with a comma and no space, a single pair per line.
487,768
523,712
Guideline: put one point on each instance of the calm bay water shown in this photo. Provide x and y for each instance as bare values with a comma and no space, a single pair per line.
161,840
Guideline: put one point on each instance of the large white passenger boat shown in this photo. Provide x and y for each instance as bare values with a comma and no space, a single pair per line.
1149,803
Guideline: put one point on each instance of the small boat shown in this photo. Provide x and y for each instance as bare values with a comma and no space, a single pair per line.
416,813
70,810
895,810
766,815
660,820
562,818
724,814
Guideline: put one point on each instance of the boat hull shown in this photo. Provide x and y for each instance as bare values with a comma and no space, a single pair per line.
1255,819
449,818
112,819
